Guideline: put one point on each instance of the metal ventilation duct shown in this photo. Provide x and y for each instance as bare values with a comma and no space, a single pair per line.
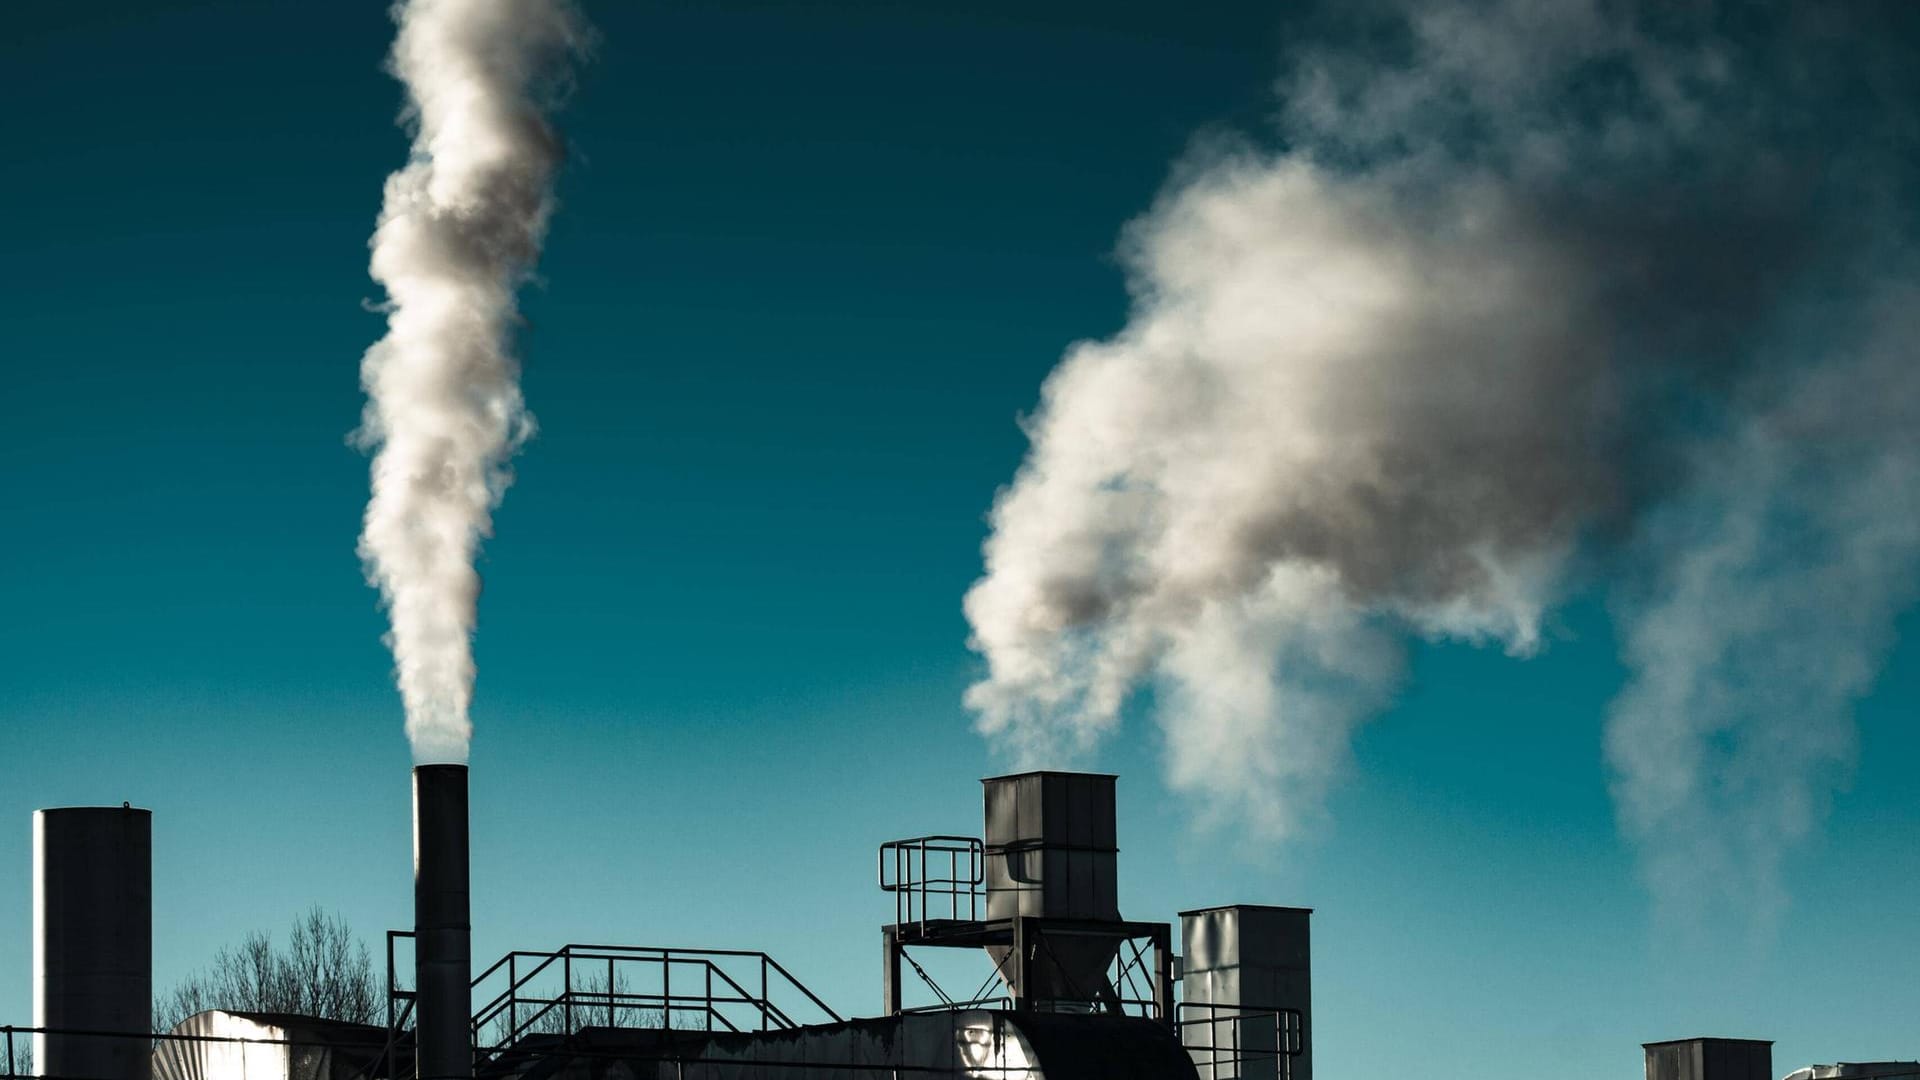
1242,964
443,954
93,940
1051,853
1050,846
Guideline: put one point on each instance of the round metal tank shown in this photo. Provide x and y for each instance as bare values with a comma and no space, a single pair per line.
93,940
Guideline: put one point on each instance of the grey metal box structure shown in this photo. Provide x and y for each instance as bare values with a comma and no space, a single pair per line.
1242,967
1050,846
1710,1059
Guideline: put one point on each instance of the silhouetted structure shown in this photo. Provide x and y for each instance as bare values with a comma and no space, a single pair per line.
1073,990
92,940
442,948
1710,1059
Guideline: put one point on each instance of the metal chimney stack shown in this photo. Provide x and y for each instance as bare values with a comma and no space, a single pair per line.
442,946
93,940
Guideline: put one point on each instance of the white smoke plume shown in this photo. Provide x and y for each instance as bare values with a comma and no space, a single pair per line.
459,231
1528,296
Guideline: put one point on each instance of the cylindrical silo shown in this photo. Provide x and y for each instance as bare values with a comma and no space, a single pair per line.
93,940
443,960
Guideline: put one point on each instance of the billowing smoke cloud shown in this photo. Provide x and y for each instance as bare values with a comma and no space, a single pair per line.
1530,296
459,231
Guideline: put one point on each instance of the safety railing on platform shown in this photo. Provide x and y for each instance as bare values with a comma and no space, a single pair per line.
560,991
639,987
1225,1040
934,877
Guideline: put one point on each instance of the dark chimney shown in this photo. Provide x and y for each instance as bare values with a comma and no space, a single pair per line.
442,957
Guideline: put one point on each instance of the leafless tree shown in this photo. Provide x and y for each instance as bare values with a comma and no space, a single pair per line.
22,1062
324,971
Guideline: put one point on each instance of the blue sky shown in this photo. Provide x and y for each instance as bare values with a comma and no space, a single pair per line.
809,268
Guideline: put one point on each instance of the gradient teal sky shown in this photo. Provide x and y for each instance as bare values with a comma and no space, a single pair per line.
809,267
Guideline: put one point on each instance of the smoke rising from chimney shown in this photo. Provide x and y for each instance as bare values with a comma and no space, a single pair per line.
459,231
1532,296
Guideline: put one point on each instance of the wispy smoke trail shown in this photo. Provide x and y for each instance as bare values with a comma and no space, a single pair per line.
1769,593
1534,294
459,231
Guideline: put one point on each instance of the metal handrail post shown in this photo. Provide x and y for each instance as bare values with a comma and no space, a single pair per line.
566,969
389,985
1239,1055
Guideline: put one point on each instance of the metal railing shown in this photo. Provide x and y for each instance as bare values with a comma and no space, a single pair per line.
579,985
562,990
912,871
705,989
997,1003
399,1000
1252,1034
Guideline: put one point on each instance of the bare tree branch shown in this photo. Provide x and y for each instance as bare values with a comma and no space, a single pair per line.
324,971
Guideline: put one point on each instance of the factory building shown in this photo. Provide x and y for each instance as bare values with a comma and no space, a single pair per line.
1073,989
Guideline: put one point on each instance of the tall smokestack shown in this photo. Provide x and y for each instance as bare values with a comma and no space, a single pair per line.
443,955
93,940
